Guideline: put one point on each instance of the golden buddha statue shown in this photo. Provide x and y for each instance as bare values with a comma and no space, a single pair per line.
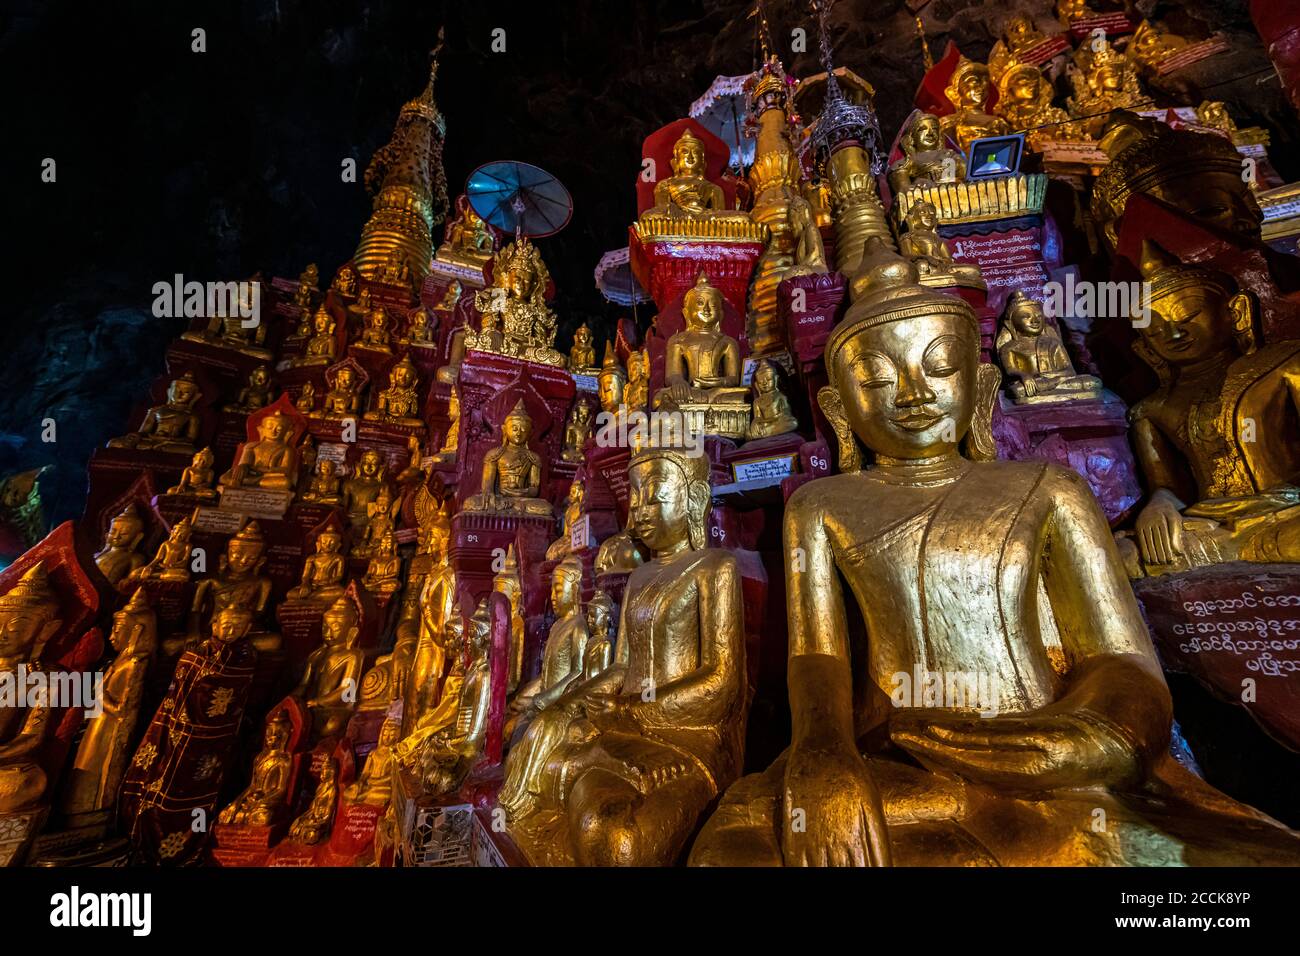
687,193
306,327
925,160
619,553
451,442
325,487
362,487
1150,46
306,400
376,335
228,331
928,251
121,555
343,400
573,514
1030,350
577,429
1106,82
1025,102
507,581
384,573
308,287
516,319
1018,35
322,572
600,649
968,91
313,825
636,770
373,786
345,282
170,427
29,616
396,272
1067,11
582,357
962,564
467,239
636,394
772,414
418,332
172,560
512,472
1219,432
103,753
611,383
197,477
270,462
451,295
432,689
266,798
400,401
381,519
256,394
322,347
239,582
1214,114
332,675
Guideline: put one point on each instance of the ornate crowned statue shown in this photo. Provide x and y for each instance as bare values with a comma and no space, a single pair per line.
968,91
1104,81
516,319
1025,102
1005,570
925,157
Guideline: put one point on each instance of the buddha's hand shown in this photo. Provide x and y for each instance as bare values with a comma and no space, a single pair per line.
831,813
1159,529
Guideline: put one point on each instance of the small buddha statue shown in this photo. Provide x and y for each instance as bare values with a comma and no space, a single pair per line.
362,487
172,562
313,825
1150,46
1214,114
396,272
630,777
309,278
636,395
418,332
611,382
925,160
962,563
120,555
928,251
619,553
1018,35
343,400
467,240
772,415
322,571
451,442
1025,102
345,282
582,357
270,462
1107,82
239,582
170,427
196,479
374,785
438,634
1067,11
1030,350
325,487
103,753
306,400
512,472
226,329
376,335
384,573
399,403
573,514
29,617
577,429
322,346
332,675
687,193
509,583
381,519
450,296
516,320
702,363
600,626
968,91
266,797
256,394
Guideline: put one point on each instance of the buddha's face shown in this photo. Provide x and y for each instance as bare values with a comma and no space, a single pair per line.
688,158
231,624
1108,79
516,430
363,300
368,466
925,134
277,735
703,310
327,468
21,627
345,380
387,544
179,533
328,772
1215,114
123,532
658,506
519,282
1219,199
765,379
126,628
183,392
564,590
1024,86
419,321
338,625
389,733
242,556
322,323
1028,319
974,89
403,376
636,365
273,429
203,459
582,336
1190,325
908,387
598,612
924,215
1019,31
378,317
611,390
329,542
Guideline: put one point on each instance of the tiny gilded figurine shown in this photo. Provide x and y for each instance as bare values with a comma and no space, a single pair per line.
266,797
362,487
418,332
197,477
270,462
256,394
172,560
611,382
325,486
636,394
576,432
170,427
929,252
772,415
343,400
322,572
313,825
582,357
1030,351
376,334
322,347
383,574
925,157
400,401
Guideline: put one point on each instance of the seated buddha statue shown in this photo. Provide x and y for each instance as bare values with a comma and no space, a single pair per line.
374,785
688,193
968,91
928,251
511,479
395,271
702,363
577,429
345,282
400,401
962,564
270,462
582,357
1217,441
343,400
451,441
266,798
376,335
306,400
772,415
308,287
325,486
1067,11
1025,102
239,582
467,240
362,487
331,678
120,555
381,519
1214,115
322,346
29,617
197,477
573,512
313,825
1151,46
634,772
256,394
516,320
418,332
1106,82
172,560
1018,35
636,394
228,328
170,427
322,572
1030,350
925,160
384,572
599,655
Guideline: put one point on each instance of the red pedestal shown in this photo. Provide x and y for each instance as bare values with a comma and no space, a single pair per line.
667,268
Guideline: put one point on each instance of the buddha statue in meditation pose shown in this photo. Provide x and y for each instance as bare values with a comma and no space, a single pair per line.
322,572
512,472
772,415
325,487
266,797
197,477
332,676
582,357
962,564
343,399
1217,441
1018,35
322,347
577,429
633,772
172,561
384,572
256,394
467,239
239,582
313,825
688,193
170,427
400,401
376,334
968,91
636,394
929,252
516,320
926,160
121,555
345,282
362,488
611,382
270,462
702,363
1030,351
573,513
374,785
417,329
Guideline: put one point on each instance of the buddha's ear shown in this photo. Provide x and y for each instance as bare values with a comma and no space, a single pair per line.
832,407
1143,350
1242,309
979,444
698,498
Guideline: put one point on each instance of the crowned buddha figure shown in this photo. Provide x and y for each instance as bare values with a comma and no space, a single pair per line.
1214,115
1150,46
1005,570
577,429
270,462
1106,82
926,160
239,582
611,383
634,772
102,754
121,555
325,486
1217,441
384,572
968,91
400,401
636,394
1031,352
345,282
322,572
582,357
29,617
197,477
322,346
772,415
516,320
343,400
512,472
170,427
418,331
256,394
928,251
313,825
172,560
702,363
362,487
266,798
572,517
1018,35
373,786
562,668
376,335
332,676
1025,102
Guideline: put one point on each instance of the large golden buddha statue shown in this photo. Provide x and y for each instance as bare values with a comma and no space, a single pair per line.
512,472
968,91
331,677
1220,430
688,193
660,733
270,462
1001,572
516,320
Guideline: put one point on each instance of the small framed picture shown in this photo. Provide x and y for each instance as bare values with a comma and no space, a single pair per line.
995,156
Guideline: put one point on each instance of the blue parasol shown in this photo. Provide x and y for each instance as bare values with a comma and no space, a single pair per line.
519,198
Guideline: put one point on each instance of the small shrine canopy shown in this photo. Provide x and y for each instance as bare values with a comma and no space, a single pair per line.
722,111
